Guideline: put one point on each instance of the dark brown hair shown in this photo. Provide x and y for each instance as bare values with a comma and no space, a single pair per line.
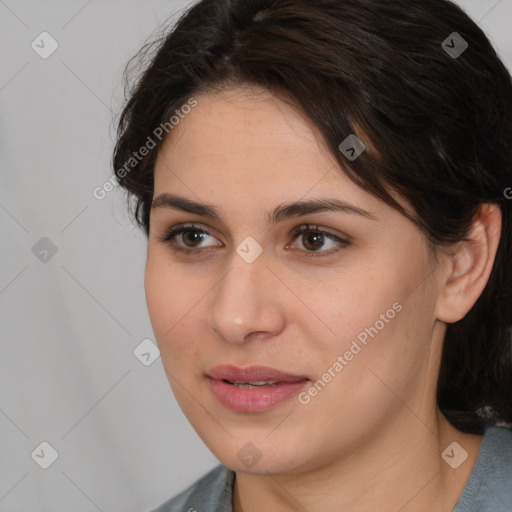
439,125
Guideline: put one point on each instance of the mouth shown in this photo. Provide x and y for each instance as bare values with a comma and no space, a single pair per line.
254,388
250,385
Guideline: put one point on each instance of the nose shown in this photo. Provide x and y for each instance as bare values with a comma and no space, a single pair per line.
245,306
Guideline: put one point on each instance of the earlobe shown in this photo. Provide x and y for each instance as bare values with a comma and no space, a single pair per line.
469,267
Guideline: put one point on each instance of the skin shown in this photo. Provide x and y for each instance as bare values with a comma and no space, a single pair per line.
372,438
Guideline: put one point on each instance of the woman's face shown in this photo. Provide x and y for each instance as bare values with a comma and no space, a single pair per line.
345,309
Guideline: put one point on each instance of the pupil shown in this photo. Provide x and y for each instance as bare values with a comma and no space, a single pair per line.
313,241
192,237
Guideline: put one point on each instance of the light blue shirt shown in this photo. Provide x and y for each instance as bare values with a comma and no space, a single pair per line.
488,489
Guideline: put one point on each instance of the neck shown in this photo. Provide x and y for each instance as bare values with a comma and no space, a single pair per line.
400,469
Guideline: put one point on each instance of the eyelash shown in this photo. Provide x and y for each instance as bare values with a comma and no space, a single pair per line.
169,236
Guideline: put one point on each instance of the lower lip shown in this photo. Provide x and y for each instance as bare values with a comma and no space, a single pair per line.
259,399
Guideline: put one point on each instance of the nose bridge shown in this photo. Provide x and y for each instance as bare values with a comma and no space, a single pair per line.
243,302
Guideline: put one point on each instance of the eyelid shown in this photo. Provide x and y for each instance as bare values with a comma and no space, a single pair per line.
178,229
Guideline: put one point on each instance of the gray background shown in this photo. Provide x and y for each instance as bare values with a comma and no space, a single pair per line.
70,321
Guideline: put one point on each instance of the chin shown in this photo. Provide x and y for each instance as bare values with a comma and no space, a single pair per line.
261,457
263,467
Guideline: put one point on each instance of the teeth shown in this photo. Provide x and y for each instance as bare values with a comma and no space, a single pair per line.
254,384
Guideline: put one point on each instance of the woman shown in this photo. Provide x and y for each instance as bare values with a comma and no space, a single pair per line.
324,189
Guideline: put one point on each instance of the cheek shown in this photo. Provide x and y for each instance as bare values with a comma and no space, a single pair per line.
383,335
168,294
356,303
171,301
369,318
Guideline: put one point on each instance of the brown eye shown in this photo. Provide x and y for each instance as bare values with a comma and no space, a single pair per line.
188,239
313,241
316,242
193,237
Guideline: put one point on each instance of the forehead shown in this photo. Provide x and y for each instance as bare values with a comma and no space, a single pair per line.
246,149
246,132
245,118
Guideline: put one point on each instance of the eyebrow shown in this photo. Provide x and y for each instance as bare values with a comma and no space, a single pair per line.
281,212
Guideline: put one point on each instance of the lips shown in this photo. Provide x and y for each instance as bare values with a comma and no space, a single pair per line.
232,373
254,388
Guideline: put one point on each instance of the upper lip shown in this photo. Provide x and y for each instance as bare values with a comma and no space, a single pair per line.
252,374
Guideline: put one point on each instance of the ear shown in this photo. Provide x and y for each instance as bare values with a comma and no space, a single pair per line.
468,267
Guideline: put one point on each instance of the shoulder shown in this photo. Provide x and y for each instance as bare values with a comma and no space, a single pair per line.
212,492
489,488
